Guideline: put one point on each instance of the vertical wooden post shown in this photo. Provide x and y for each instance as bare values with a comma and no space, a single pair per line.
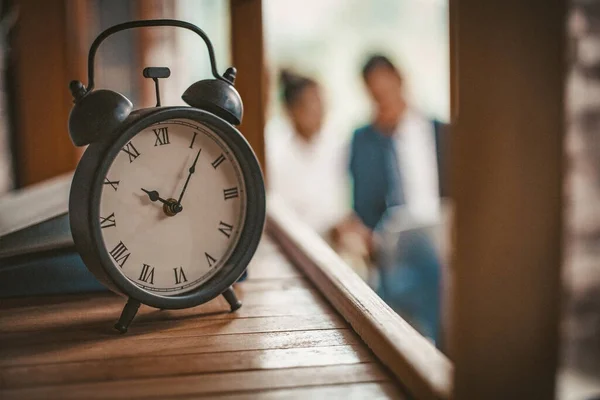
508,123
47,54
146,40
247,54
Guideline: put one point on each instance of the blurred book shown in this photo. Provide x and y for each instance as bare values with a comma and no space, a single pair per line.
37,254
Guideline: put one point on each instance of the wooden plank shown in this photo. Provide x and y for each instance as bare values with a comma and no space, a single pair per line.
415,362
133,346
178,328
507,184
355,391
206,384
104,309
247,54
272,268
22,304
183,364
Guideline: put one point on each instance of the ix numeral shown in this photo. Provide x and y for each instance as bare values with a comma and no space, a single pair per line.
108,221
210,259
218,161
114,184
131,151
147,274
225,229
193,140
179,275
230,193
120,254
162,136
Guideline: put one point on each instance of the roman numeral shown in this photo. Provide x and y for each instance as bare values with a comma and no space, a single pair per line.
218,161
225,229
210,259
114,184
179,276
193,140
120,254
230,193
108,221
162,136
147,274
131,151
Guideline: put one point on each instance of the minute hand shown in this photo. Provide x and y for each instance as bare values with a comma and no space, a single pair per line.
192,170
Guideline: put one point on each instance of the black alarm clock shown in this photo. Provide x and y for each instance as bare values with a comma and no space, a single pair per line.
167,204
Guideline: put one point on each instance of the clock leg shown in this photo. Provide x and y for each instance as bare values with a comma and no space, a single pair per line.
232,299
127,315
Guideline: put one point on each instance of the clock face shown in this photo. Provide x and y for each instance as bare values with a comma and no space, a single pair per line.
172,206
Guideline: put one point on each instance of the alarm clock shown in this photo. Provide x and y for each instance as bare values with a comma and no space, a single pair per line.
167,204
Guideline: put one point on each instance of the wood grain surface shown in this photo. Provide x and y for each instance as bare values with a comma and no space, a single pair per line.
425,371
285,342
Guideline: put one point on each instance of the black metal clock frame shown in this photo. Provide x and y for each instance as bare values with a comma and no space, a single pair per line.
104,120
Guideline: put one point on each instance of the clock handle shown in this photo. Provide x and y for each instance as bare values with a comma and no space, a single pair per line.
149,23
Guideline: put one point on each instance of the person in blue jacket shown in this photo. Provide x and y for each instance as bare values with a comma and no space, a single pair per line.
396,160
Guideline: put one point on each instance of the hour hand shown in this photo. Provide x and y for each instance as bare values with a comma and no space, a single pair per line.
153,196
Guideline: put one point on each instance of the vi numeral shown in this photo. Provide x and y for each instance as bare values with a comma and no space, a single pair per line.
162,136
147,274
179,275
108,221
131,151
120,254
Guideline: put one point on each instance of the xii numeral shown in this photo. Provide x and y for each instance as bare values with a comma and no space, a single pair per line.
120,254
225,229
147,274
114,184
108,221
218,161
230,193
162,136
179,275
131,151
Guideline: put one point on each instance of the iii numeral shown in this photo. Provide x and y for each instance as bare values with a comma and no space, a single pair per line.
108,221
131,151
114,184
147,274
120,254
210,259
225,229
179,275
162,136
193,140
218,161
230,193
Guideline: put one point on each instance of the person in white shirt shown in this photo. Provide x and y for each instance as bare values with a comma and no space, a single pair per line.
395,164
306,161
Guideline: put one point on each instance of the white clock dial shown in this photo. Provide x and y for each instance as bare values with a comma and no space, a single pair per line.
152,244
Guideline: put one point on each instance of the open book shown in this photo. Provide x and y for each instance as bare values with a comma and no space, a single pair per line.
35,219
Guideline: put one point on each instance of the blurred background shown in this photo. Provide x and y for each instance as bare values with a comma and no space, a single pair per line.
348,108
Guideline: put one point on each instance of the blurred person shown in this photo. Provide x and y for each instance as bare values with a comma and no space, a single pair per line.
394,165
306,161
